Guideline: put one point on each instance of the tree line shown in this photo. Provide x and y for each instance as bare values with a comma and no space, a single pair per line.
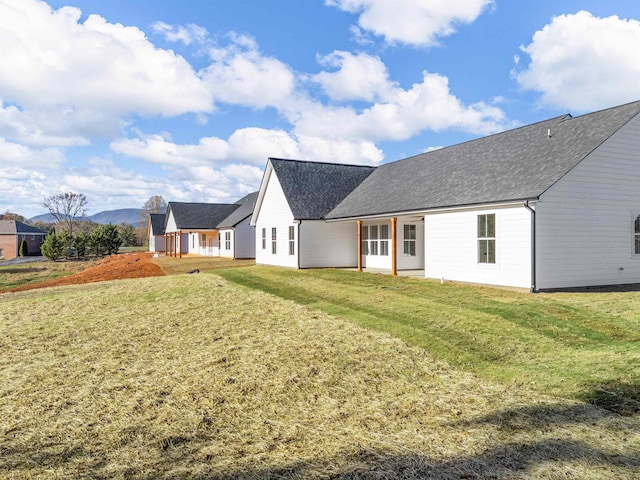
73,236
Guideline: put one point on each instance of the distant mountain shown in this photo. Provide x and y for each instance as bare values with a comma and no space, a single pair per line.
116,217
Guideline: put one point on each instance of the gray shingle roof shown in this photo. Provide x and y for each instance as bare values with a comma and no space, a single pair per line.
246,209
517,164
13,227
312,189
200,216
157,223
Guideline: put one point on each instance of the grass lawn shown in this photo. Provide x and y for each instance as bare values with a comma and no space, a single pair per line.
192,376
29,273
581,346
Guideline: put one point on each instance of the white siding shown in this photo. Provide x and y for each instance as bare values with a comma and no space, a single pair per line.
224,251
245,240
171,224
156,243
404,262
584,223
274,213
325,244
451,246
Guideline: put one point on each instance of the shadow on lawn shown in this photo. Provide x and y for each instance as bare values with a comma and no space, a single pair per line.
622,398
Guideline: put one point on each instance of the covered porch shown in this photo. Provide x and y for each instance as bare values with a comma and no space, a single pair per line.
392,245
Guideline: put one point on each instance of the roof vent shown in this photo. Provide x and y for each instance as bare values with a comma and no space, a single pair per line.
566,117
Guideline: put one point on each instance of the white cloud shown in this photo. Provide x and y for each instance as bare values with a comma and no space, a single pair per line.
414,22
51,59
360,77
584,62
23,156
339,150
241,75
187,34
428,105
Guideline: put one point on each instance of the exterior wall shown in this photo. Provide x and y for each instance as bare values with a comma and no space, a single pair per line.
584,223
224,251
403,262
451,246
275,213
156,243
8,246
323,244
244,237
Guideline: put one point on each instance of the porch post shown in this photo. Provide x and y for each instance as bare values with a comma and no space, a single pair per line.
180,238
359,222
394,246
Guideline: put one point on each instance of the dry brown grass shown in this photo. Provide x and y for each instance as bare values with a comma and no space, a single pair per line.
177,266
192,377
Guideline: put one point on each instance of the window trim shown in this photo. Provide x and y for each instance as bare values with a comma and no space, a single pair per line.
487,238
292,240
227,241
274,240
409,241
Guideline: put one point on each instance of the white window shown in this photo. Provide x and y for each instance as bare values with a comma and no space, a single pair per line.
274,235
487,238
193,241
384,240
292,240
264,238
373,240
227,240
636,235
203,239
409,243
365,240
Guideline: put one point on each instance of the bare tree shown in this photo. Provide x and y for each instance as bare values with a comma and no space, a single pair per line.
67,208
155,204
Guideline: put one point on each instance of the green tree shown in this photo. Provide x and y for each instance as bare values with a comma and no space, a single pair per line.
53,247
24,249
127,234
81,244
105,240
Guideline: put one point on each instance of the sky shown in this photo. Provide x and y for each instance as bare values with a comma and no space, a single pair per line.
122,100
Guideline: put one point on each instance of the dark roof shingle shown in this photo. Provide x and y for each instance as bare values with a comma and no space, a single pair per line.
246,209
13,227
517,164
313,189
200,216
157,223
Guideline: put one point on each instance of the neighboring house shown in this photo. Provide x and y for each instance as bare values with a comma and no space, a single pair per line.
237,236
192,228
156,232
12,233
293,199
551,205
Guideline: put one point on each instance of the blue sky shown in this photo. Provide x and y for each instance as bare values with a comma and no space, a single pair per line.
125,99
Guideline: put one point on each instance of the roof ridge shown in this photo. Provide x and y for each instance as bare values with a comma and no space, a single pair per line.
323,163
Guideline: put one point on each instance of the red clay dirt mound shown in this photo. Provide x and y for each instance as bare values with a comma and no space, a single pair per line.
114,267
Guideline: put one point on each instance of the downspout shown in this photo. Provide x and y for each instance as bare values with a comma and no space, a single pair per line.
534,288
298,242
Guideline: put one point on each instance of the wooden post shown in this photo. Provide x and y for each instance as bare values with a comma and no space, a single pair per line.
394,247
359,222
180,238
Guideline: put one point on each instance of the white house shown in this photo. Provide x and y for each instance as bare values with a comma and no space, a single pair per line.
292,201
554,204
192,228
237,235
155,232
